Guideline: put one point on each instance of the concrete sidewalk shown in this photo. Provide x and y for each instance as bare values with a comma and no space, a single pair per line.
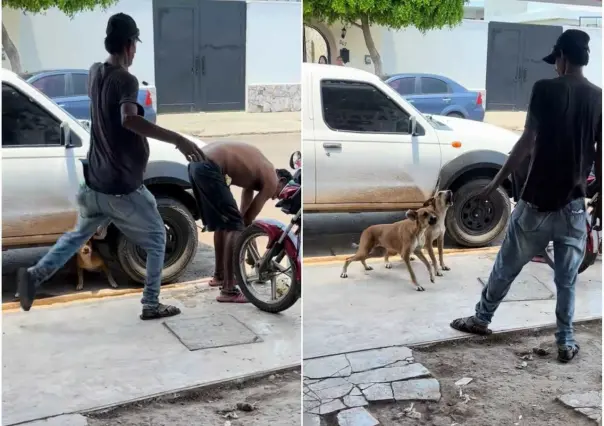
216,124
60,360
381,308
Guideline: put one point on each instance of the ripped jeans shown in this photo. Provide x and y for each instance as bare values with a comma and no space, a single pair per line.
528,234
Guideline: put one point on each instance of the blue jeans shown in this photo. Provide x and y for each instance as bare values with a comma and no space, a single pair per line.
528,234
134,214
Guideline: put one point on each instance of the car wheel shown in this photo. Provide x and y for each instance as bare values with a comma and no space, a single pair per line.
456,115
181,244
472,222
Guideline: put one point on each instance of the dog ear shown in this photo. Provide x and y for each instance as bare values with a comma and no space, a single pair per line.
430,202
411,214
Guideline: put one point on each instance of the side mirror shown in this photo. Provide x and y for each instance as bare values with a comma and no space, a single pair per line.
413,125
68,140
295,160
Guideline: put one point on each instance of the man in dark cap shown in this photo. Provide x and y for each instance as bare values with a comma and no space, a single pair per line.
563,137
117,159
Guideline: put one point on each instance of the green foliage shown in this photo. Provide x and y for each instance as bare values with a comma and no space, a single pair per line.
421,14
69,7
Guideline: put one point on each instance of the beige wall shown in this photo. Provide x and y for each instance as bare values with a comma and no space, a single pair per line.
12,21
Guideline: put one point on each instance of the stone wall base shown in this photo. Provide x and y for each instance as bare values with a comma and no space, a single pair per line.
273,98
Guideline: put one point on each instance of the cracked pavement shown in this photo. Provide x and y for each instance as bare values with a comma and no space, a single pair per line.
346,383
588,403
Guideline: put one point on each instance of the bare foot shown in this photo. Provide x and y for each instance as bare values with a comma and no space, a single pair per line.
216,282
231,297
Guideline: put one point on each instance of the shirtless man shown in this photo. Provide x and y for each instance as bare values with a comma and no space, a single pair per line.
239,164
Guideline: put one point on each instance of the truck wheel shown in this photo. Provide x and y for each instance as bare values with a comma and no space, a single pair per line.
456,114
181,244
474,223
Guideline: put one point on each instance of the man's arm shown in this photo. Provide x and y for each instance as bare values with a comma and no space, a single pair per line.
247,195
255,207
599,156
132,121
525,145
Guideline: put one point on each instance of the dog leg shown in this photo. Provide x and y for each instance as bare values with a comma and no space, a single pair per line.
407,258
421,257
430,250
441,244
80,285
387,263
367,267
110,278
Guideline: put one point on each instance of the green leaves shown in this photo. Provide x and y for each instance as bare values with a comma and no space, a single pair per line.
69,7
422,14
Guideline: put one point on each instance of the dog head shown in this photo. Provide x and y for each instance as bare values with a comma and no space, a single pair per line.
86,249
441,201
424,217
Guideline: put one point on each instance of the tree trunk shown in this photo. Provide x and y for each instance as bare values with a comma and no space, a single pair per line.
373,52
11,51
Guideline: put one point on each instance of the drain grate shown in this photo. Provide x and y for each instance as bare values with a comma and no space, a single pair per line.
211,331
525,289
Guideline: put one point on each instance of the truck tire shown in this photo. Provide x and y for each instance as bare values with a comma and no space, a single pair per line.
181,244
471,223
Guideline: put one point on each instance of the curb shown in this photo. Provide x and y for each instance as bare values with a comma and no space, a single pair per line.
226,135
323,260
468,337
173,395
96,295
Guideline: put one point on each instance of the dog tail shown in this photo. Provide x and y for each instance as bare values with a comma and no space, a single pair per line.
355,246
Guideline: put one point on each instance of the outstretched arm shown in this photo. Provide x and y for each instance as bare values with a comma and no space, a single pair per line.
256,206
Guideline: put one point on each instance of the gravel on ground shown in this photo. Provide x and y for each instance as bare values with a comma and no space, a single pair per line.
511,385
274,400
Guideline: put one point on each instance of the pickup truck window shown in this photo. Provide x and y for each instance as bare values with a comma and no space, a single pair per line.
26,124
353,106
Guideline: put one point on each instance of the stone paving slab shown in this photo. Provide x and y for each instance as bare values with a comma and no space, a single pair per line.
380,308
588,403
68,420
218,331
525,289
346,383
84,356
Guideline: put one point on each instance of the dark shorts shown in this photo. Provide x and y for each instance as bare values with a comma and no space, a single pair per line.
217,206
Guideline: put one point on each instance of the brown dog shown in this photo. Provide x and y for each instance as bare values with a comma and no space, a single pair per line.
404,237
440,202
90,260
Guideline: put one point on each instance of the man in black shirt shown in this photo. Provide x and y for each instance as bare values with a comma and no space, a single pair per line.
563,137
117,159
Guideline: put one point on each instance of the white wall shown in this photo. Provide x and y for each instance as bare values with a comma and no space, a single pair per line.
52,40
274,42
460,53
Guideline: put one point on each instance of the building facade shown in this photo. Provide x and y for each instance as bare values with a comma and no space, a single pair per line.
201,55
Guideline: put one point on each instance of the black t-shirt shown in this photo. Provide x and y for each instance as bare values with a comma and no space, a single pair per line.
566,113
117,158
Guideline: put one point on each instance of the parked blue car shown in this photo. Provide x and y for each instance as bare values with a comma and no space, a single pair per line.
69,89
438,95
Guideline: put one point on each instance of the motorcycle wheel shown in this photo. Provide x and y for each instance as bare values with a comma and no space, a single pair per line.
240,256
589,258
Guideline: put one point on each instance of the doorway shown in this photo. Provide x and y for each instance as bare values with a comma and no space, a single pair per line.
199,55
315,45
514,63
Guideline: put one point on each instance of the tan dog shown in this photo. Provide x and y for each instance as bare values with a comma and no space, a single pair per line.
90,260
440,202
404,237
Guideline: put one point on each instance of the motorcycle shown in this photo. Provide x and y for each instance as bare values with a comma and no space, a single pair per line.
268,274
593,245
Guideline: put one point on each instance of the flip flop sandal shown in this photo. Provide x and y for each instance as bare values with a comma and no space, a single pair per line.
468,325
216,282
26,289
235,297
162,311
568,354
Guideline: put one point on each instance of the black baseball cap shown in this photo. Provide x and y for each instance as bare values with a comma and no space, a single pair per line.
123,26
570,43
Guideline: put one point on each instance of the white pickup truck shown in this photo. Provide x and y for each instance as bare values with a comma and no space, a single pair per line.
366,148
42,149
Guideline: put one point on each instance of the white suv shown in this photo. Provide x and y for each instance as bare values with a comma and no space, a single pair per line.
42,149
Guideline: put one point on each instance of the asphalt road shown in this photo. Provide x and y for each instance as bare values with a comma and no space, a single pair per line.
277,148
332,234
